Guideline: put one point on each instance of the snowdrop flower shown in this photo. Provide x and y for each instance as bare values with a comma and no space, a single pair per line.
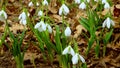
67,31
104,1
41,26
22,17
3,15
76,57
107,23
24,22
82,6
40,13
77,1
30,4
63,9
37,4
106,6
49,28
68,50
45,2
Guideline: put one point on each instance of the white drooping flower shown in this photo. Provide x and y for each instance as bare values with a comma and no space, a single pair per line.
45,2
49,28
67,31
22,17
77,57
3,15
41,26
63,9
40,13
104,1
30,4
23,21
77,1
108,22
37,4
106,6
82,6
68,50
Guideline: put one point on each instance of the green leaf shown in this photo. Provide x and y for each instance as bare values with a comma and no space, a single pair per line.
57,41
97,49
107,36
84,22
90,43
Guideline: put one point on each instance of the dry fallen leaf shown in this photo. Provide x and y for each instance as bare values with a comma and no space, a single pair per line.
31,56
79,29
16,27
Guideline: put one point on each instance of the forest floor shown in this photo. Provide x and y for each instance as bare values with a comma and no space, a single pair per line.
13,9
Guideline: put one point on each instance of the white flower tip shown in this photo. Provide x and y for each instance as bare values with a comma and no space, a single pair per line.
82,6
40,13
68,50
77,1
75,59
82,59
67,31
108,22
3,15
106,6
45,2
63,9
30,4
49,28
37,4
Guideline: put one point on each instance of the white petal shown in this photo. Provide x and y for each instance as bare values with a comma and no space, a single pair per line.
2,19
107,6
68,50
77,1
3,15
72,51
104,24
104,1
37,4
108,23
66,9
37,25
30,4
75,59
60,10
67,31
40,29
49,28
43,25
40,13
22,16
82,6
65,51
24,22
45,2
82,59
